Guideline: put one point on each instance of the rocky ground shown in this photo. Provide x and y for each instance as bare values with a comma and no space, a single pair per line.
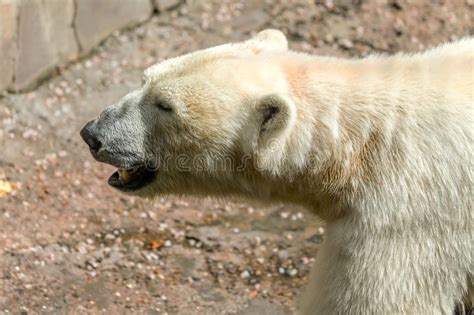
70,244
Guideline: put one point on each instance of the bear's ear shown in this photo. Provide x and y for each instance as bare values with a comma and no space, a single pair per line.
268,40
272,119
275,115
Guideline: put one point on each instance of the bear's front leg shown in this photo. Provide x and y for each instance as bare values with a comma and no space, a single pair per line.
391,271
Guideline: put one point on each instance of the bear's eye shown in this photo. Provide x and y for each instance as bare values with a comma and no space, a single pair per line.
164,106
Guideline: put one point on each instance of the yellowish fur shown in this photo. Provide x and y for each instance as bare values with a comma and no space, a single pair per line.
381,148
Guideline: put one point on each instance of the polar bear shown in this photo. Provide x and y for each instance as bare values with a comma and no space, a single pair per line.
381,148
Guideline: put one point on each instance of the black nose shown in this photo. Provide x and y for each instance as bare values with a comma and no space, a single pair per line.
89,134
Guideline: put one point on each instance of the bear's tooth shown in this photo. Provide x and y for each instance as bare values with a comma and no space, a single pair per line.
123,175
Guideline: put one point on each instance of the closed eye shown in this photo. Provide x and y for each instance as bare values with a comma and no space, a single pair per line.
164,106
144,80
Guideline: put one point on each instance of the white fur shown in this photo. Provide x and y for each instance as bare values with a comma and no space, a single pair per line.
390,140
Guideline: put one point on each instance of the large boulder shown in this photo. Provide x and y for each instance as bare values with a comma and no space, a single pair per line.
8,28
45,39
165,5
97,19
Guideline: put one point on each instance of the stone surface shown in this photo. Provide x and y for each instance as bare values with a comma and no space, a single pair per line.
252,21
8,29
60,17
96,19
57,255
262,307
165,5
45,39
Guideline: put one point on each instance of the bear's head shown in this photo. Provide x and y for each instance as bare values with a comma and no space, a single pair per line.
213,122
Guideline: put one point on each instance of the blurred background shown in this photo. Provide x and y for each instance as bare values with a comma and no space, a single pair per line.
71,244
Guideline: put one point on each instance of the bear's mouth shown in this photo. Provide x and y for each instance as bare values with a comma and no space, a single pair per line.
131,179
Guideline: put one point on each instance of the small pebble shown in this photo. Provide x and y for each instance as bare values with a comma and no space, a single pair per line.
245,274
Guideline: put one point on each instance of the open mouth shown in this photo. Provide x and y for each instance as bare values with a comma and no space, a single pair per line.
131,179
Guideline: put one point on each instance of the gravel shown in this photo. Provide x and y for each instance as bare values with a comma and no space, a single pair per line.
71,244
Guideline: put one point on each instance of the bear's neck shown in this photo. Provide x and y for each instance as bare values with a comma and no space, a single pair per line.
352,120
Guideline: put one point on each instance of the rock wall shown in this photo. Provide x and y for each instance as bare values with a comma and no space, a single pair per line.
37,36
8,31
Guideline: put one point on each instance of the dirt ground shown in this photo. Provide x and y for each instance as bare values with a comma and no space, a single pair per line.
70,244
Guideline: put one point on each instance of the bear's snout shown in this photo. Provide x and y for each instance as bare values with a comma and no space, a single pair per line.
90,135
